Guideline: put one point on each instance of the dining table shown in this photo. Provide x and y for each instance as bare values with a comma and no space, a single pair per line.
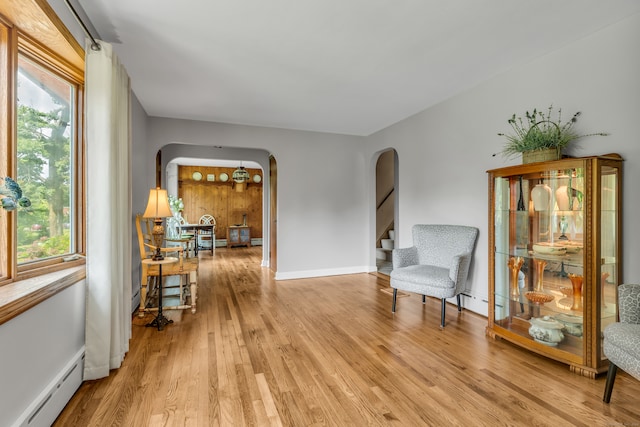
197,229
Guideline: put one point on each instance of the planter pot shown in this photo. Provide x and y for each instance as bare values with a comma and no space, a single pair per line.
540,155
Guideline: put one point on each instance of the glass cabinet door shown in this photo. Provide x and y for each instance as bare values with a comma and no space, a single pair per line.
244,235
539,257
608,228
555,257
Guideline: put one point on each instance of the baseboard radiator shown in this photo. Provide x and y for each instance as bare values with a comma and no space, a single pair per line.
44,410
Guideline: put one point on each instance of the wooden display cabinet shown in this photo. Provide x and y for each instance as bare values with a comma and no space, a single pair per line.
555,257
238,235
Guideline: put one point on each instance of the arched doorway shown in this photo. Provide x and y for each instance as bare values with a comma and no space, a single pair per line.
385,209
171,152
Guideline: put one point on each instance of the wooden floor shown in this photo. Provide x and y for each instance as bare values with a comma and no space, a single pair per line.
328,351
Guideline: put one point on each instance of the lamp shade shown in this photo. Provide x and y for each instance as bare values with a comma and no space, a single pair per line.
158,204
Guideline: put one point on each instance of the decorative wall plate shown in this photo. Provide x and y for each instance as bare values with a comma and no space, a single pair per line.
211,177
257,178
223,177
197,176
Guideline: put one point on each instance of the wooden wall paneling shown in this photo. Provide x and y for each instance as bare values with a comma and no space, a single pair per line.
220,195
254,209
220,199
204,200
238,204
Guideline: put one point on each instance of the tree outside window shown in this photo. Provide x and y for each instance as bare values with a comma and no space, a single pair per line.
44,151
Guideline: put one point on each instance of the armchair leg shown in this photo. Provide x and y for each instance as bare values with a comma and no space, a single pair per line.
424,299
393,304
611,378
444,307
459,305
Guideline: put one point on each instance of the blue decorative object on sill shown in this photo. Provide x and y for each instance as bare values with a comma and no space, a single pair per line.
13,197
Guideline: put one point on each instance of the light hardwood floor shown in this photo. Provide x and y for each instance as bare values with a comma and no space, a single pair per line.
328,351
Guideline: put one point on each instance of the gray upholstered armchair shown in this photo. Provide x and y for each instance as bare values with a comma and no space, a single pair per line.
622,339
436,265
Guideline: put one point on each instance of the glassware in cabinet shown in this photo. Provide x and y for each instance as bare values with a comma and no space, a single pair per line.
554,255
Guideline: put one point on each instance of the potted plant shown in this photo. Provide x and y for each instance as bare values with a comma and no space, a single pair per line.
538,137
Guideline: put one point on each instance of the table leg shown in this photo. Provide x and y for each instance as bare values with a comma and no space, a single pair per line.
160,320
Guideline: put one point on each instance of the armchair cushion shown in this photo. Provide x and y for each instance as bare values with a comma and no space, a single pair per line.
404,257
622,339
621,343
622,346
426,280
629,303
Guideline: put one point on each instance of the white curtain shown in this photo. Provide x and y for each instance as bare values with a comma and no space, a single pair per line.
108,172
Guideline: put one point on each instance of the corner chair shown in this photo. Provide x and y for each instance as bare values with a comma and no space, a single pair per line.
621,342
436,265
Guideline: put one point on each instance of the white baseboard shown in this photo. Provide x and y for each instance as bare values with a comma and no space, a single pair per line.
305,274
135,300
44,410
477,304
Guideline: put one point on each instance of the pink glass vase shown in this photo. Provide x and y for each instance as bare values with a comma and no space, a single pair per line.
540,265
515,263
576,283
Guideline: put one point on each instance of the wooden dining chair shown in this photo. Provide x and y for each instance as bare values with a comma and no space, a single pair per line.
206,238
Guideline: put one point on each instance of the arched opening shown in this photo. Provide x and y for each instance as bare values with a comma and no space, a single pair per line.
213,160
385,209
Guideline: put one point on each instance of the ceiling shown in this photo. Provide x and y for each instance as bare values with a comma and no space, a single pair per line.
341,66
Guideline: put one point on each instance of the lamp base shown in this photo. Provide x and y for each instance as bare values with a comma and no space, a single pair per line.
158,237
157,255
159,322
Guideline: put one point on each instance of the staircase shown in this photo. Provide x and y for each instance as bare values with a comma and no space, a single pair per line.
383,253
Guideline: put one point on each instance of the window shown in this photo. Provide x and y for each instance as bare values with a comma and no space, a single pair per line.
45,125
41,148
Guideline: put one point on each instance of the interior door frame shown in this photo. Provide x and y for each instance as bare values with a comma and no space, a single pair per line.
273,214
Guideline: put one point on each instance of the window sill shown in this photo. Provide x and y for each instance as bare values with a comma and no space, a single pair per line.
20,296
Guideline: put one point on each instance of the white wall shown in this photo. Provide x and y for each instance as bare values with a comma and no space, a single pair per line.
143,179
36,346
322,197
445,151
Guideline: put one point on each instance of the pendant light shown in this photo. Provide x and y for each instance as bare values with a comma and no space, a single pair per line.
240,177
